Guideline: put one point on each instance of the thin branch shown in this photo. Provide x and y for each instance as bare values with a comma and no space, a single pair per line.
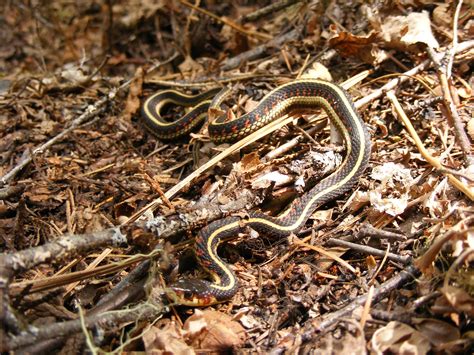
452,52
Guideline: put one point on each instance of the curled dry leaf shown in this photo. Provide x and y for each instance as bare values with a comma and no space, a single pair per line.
250,161
75,74
318,71
362,47
213,331
399,338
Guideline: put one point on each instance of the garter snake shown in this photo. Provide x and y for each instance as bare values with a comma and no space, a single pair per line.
299,95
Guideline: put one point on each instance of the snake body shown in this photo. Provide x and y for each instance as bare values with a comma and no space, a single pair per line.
299,95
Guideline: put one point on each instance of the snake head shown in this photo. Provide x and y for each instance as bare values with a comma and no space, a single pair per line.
193,293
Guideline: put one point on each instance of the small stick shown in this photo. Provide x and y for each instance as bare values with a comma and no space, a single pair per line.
369,250
449,66
366,230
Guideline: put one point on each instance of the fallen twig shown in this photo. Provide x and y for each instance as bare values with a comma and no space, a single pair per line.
369,250
450,108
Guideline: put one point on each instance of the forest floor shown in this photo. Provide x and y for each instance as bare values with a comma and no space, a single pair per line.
98,216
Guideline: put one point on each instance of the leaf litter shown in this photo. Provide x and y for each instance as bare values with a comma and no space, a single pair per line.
77,161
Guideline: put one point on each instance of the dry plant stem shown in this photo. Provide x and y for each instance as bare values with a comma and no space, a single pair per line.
279,123
392,84
451,110
330,320
227,22
92,111
449,66
325,253
366,230
206,82
47,283
429,158
369,250
144,312
90,268
390,316
368,303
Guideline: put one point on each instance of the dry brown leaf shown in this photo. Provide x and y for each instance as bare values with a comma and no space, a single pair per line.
350,343
438,332
42,194
165,337
362,47
318,71
459,299
399,338
250,161
406,32
214,331
394,179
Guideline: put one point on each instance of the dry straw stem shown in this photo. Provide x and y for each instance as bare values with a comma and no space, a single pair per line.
279,123
429,158
325,253
48,283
